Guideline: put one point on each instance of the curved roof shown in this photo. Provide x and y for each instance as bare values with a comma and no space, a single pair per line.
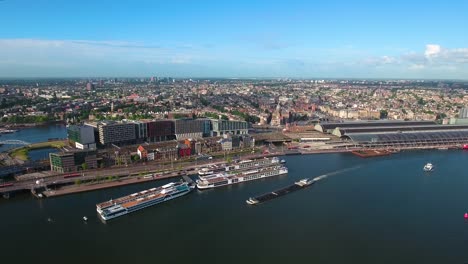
345,131
408,136
324,127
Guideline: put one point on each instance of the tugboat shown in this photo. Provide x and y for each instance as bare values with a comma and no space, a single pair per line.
252,201
428,167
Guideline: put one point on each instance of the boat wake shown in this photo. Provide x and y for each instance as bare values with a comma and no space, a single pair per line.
321,177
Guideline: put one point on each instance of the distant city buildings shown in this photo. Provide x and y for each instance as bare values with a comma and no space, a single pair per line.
90,86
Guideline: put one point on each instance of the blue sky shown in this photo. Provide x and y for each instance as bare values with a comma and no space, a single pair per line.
329,39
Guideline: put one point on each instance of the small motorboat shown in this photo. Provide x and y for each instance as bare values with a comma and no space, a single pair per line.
85,218
428,167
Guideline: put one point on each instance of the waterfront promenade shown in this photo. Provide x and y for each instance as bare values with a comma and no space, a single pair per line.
133,174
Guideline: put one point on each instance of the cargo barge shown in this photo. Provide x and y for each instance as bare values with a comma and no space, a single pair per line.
371,153
283,191
133,202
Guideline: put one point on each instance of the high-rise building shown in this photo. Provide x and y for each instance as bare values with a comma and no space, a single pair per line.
221,127
82,136
89,86
160,130
111,132
72,161
190,128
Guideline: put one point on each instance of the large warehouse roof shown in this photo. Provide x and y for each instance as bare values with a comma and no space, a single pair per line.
327,127
340,132
407,137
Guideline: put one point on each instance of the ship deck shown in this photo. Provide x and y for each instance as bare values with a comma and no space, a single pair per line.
214,178
278,193
135,198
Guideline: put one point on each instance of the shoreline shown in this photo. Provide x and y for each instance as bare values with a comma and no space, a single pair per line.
85,187
30,125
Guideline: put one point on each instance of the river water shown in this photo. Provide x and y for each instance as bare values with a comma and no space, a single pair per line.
379,210
33,135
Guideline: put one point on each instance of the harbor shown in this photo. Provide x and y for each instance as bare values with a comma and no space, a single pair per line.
366,202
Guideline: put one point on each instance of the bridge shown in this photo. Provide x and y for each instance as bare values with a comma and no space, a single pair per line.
14,142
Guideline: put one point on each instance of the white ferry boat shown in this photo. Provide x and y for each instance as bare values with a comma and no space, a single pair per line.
221,179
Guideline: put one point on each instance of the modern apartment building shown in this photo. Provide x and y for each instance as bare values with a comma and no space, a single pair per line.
72,161
81,136
221,127
111,132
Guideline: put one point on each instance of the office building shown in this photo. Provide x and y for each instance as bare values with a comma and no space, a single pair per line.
81,136
73,161
221,127
190,128
160,130
111,132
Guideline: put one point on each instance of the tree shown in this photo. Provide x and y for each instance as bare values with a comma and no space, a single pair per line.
421,101
84,166
135,157
383,114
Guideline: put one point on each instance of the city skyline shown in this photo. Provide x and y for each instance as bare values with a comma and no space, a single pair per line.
234,40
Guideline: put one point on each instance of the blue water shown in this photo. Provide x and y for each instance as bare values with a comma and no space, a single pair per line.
35,134
378,210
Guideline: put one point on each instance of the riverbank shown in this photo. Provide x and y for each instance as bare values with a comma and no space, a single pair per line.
21,153
87,187
30,125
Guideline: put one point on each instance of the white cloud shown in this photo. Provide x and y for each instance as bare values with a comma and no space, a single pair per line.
432,50
416,67
26,51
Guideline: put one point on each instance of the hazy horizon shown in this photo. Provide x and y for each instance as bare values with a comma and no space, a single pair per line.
242,39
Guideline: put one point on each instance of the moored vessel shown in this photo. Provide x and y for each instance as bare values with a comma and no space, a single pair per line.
221,179
136,201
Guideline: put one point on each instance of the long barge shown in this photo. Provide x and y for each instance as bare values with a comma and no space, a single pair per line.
222,179
283,191
136,201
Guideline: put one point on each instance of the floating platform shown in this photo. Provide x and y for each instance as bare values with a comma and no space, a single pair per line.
371,153
283,191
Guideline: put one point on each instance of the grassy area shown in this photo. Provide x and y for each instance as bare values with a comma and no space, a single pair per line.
49,144
22,153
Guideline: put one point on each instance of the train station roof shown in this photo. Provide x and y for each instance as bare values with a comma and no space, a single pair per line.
328,127
340,132
406,137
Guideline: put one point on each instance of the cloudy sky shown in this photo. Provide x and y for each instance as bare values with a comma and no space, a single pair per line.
336,39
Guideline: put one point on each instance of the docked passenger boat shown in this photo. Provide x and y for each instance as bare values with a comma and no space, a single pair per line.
225,178
248,164
205,171
133,202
